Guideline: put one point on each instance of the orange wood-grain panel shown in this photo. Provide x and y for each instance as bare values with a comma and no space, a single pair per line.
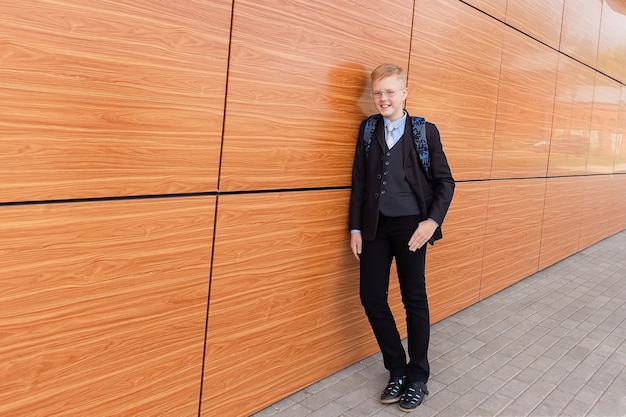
580,31
454,263
620,155
495,8
456,86
595,209
297,88
538,18
525,107
604,136
561,219
111,98
284,306
617,215
513,233
572,118
612,43
104,307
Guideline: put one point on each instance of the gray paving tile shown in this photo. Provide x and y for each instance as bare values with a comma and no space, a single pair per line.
329,410
441,399
296,410
576,408
463,384
493,404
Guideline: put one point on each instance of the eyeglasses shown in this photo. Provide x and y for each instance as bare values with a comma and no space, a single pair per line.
387,93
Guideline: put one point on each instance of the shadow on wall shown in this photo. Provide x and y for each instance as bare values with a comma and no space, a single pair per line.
348,91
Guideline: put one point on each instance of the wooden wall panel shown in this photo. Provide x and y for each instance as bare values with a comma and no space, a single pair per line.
581,30
594,216
104,307
111,98
603,139
616,215
513,233
298,88
561,219
495,8
539,19
595,210
525,106
620,154
454,264
572,118
456,87
612,42
285,308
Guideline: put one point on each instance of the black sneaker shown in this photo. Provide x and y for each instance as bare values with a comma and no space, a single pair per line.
393,390
413,396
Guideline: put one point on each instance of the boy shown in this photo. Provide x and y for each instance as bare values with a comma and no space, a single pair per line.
394,211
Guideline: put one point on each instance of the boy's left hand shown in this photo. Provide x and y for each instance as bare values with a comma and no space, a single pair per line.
423,233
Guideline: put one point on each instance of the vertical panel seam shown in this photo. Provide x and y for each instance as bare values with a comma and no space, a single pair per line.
219,171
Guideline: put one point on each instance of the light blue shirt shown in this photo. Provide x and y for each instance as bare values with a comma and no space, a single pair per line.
397,132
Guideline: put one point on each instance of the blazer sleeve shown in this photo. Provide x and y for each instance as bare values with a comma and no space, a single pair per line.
357,194
442,182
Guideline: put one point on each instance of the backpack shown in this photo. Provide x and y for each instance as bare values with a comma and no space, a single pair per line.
418,127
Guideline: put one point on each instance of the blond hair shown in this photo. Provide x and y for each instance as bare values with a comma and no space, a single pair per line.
389,70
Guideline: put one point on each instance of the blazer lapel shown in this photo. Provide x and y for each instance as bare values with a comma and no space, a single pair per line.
380,135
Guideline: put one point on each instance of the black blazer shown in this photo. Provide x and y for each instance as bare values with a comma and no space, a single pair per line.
434,196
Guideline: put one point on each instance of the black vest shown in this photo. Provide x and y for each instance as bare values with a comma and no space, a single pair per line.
396,195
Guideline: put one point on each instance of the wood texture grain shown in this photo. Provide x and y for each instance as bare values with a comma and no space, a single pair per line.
604,137
617,214
561,219
513,233
454,264
580,31
594,224
571,122
458,88
111,98
620,155
297,92
612,42
538,18
103,307
495,8
285,308
525,106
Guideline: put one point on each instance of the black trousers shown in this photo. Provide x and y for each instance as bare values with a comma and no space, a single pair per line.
391,241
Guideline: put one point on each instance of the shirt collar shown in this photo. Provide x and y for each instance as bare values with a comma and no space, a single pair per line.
398,124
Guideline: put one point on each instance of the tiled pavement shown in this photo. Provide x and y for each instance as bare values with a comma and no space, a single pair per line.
551,345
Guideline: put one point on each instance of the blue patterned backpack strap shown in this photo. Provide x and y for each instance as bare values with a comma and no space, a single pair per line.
368,132
418,125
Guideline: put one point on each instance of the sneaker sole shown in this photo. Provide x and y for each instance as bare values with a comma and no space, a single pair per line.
408,410
393,400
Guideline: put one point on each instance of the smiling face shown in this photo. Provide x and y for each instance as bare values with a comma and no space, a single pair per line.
389,94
